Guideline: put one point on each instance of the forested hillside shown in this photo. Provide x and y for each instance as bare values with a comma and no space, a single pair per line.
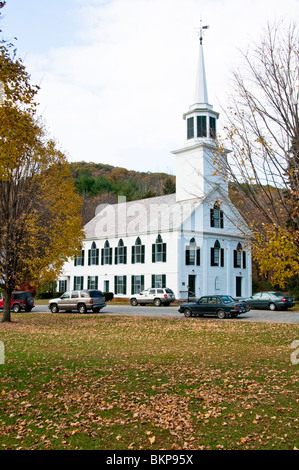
99,183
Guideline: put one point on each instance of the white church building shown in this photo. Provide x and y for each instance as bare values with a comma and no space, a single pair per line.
187,241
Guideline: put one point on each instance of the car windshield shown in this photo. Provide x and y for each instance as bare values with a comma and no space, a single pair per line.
226,299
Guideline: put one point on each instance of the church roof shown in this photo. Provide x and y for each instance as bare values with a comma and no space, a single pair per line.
144,216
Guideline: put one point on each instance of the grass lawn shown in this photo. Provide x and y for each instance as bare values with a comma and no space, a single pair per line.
91,381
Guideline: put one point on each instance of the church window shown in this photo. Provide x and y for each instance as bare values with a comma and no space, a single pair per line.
92,282
192,254
158,280
201,126
239,257
159,250
62,286
217,255
212,127
137,284
78,282
93,255
106,254
120,253
79,259
138,252
216,217
120,285
190,128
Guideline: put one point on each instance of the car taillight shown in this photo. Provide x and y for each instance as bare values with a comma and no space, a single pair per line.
91,301
283,299
165,295
236,307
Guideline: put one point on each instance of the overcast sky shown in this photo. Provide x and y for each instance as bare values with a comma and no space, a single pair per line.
116,76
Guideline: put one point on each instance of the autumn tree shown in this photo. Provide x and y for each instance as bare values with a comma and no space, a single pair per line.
40,222
263,131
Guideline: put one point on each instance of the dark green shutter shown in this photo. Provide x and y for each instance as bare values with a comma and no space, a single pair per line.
142,283
153,253
153,280
244,259
132,284
133,254
221,219
115,284
97,256
124,285
83,255
125,255
163,280
222,257
89,254
143,254
187,256
212,257
198,257
164,252
115,255
102,256
110,255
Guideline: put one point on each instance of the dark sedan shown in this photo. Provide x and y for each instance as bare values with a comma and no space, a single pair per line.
270,301
221,305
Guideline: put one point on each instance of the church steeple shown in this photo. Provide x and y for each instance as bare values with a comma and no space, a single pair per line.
201,89
201,119
196,173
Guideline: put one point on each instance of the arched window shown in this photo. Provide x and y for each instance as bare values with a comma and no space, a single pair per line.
239,257
159,250
138,252
121,253
216,216
93,255
192,254
106,253
217,255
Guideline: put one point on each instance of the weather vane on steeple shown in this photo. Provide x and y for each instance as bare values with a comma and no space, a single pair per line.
200,31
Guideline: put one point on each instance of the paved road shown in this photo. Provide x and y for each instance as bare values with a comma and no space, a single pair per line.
172,312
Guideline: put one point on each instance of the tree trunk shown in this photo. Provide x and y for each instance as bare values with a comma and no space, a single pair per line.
6,307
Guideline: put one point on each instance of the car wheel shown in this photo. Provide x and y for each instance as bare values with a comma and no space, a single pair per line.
134,302
157,302
221,314
187,312
54,308
82,308
272,306
16,308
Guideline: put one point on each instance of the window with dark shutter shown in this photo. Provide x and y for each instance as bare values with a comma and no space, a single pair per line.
212,127
201,126
190,128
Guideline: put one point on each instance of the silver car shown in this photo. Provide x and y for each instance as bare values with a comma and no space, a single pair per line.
80,300
153,296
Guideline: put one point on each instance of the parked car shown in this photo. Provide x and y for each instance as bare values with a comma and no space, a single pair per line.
153,296
20,300
80,300
221,305
270,301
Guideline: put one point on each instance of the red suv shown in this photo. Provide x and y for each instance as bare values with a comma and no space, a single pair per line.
20,301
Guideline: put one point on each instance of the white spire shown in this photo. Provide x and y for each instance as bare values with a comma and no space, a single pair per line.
201,89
